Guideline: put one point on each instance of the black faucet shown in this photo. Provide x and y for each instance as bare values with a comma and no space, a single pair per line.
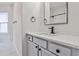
52,30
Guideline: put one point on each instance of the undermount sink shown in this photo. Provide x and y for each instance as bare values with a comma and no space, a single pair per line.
49,34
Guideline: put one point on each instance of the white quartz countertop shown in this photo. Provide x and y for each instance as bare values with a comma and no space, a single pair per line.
67,40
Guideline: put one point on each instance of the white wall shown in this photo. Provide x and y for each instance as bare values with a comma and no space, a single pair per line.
30,9
17,27
37,9
73,19
7,8
73,16
38,26
42,28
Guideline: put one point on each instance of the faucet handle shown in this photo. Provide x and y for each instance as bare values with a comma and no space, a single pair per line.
51,27
52,30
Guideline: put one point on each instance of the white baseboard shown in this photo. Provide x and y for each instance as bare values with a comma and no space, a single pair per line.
18,54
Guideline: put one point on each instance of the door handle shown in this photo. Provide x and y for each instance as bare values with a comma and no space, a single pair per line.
14,22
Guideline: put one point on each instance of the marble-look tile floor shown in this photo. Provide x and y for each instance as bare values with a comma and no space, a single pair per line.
7,49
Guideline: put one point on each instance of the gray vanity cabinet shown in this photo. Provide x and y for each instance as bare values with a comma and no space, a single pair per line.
59,50
44,52
40,47
35,50
32,49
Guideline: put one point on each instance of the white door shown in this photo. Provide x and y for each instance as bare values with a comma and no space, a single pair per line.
32,49
43,52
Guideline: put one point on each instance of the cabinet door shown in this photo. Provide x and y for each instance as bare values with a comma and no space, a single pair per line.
44,52
24,49
75,52
32,49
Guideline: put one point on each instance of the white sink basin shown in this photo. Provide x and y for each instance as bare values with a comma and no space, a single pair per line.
48,34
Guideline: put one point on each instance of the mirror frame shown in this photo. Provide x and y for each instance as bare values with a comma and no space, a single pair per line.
45,20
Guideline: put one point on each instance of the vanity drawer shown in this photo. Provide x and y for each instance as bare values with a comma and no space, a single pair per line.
29,37
40,42
59,50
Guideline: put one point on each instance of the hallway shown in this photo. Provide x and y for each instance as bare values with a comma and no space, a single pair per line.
7,48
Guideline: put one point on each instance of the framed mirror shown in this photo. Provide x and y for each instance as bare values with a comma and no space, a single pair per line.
56,13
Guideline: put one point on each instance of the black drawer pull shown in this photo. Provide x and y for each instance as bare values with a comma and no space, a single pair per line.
36,47
28,37
39,49
57,50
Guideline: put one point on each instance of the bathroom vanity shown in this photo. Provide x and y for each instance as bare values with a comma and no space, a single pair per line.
52,45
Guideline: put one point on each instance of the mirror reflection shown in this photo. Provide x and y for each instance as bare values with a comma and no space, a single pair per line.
56,12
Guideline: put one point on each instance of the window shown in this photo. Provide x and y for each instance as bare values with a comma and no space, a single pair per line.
3,22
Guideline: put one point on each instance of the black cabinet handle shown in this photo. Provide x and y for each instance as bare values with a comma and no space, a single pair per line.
57,50
39,49
28,37
36,47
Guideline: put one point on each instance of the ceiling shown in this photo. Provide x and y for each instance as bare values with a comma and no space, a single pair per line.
6,3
